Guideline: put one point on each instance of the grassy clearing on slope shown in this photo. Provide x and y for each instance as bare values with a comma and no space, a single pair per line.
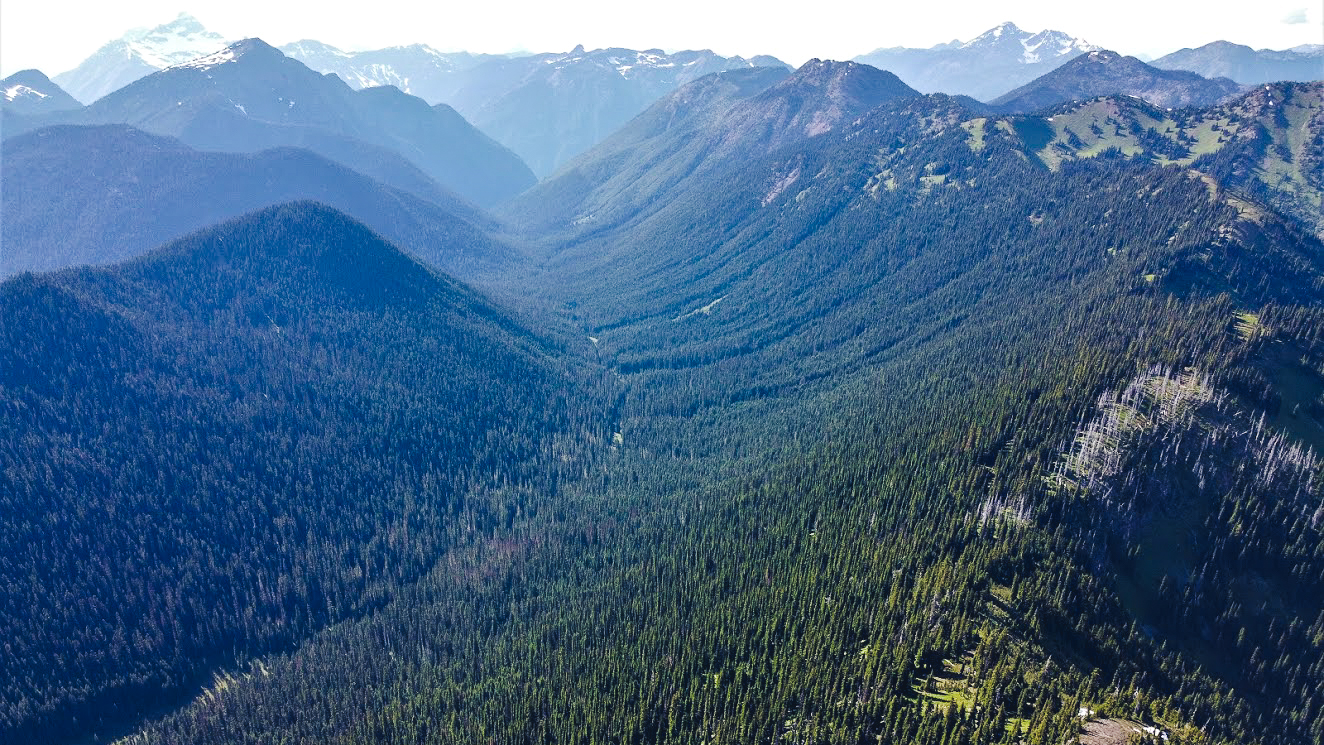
975,127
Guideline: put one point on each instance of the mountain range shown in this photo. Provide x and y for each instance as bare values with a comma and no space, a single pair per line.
139,53
984,67
804,407
583,96
708,123
77,195
249,97
577,97
882,381
416,69
1222,59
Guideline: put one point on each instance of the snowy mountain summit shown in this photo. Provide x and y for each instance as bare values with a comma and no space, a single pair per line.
1007,40
1001,58
140,52
181,40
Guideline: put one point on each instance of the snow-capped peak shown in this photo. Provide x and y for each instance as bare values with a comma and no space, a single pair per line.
1047,45
181,40
1006,28
1035,47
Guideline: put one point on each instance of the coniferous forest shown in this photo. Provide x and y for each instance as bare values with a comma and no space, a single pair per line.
806,408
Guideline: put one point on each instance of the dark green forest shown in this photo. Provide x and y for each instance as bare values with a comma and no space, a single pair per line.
893,433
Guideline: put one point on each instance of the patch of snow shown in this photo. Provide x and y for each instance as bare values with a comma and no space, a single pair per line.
782,185
208,62
14,91
1031,53
1077,43
991,35
706,310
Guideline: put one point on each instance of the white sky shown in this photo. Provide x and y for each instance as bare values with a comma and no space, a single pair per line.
55,35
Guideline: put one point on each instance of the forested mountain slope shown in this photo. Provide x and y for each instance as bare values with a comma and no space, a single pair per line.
858,491
549,108
96,195
1268,143
1102,72
709,123
215,450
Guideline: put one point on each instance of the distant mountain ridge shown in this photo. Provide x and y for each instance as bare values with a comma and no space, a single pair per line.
417,69
549,108
1223,59
989,64
250,97
1104,72
31,92
139,53
100,194
577,98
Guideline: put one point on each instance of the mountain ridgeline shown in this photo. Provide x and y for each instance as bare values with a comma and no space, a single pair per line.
577,98
834,412
56,215
1103,73
31,92
249,97
1267,144
1222,59
700,127
416,69
139,53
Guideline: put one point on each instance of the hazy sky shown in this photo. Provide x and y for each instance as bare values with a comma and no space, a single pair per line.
55,35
